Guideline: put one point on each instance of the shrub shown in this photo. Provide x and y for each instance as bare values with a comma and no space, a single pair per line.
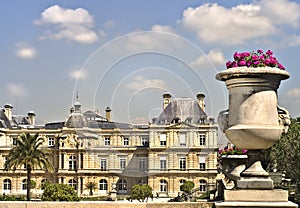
59,192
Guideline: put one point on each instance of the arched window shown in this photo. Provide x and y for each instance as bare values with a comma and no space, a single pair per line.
181,182
163,185
122,185
103,185
202,185
73,183
43,183
24,184
72,162
7,185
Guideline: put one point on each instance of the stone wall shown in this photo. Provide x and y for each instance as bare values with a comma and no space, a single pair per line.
4,204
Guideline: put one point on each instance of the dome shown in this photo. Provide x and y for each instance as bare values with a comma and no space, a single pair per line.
76,120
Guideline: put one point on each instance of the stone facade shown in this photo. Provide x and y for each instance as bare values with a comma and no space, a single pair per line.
180,145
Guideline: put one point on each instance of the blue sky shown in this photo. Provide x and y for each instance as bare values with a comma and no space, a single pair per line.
126,54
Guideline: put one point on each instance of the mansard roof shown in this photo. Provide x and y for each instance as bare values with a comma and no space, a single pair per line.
182,110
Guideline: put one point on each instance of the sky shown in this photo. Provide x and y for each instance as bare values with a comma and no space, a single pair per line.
126,54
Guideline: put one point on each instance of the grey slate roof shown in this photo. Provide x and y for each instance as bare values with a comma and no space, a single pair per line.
182,110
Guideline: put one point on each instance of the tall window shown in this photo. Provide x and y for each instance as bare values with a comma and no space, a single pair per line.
73,183
163,139
62,161
81,161
122,185
7,185
202,138
202,185
122,163
14,141
163,163
142,164
125,141
145,141
103,185
182,163
103,164
181,182
51,142
72,162
163,185
202,162
24,184
182,138
106,141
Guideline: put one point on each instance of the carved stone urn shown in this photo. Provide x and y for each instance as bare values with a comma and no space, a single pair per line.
253,121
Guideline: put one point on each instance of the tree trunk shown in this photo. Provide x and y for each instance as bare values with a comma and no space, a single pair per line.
28,182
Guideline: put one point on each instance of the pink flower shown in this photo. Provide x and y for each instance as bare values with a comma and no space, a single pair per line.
242,63
269,53
254,59
259,51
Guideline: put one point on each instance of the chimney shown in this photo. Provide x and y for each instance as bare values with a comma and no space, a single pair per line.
167,99
31,117
108,110
71,110
200,99
8,111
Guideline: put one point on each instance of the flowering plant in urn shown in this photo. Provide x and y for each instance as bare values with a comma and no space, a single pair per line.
254,59
252,80
253,121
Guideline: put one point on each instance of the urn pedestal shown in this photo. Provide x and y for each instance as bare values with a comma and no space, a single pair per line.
254,121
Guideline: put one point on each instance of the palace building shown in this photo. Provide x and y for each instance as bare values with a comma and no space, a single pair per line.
179,145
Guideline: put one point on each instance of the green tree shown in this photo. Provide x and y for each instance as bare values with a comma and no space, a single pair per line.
91,186
286,152
59,192
27,152
141,192
187,187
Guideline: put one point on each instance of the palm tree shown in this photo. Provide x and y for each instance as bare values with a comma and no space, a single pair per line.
27,152
91,186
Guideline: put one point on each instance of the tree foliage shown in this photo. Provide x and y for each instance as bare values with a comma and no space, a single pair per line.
59,192
141,192
187,187
91,186
285,154
27,152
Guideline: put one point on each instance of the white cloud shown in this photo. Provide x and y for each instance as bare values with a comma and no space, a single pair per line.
215,23
140,82
78,75
71,24
160,37
26,51
15,89
214,56
162,28
294,93
281,11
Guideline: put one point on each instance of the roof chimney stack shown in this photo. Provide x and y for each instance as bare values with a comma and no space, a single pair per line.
108,112
31,117
200,99
167,100
8,111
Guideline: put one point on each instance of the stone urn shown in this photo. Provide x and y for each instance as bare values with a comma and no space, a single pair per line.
253,121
